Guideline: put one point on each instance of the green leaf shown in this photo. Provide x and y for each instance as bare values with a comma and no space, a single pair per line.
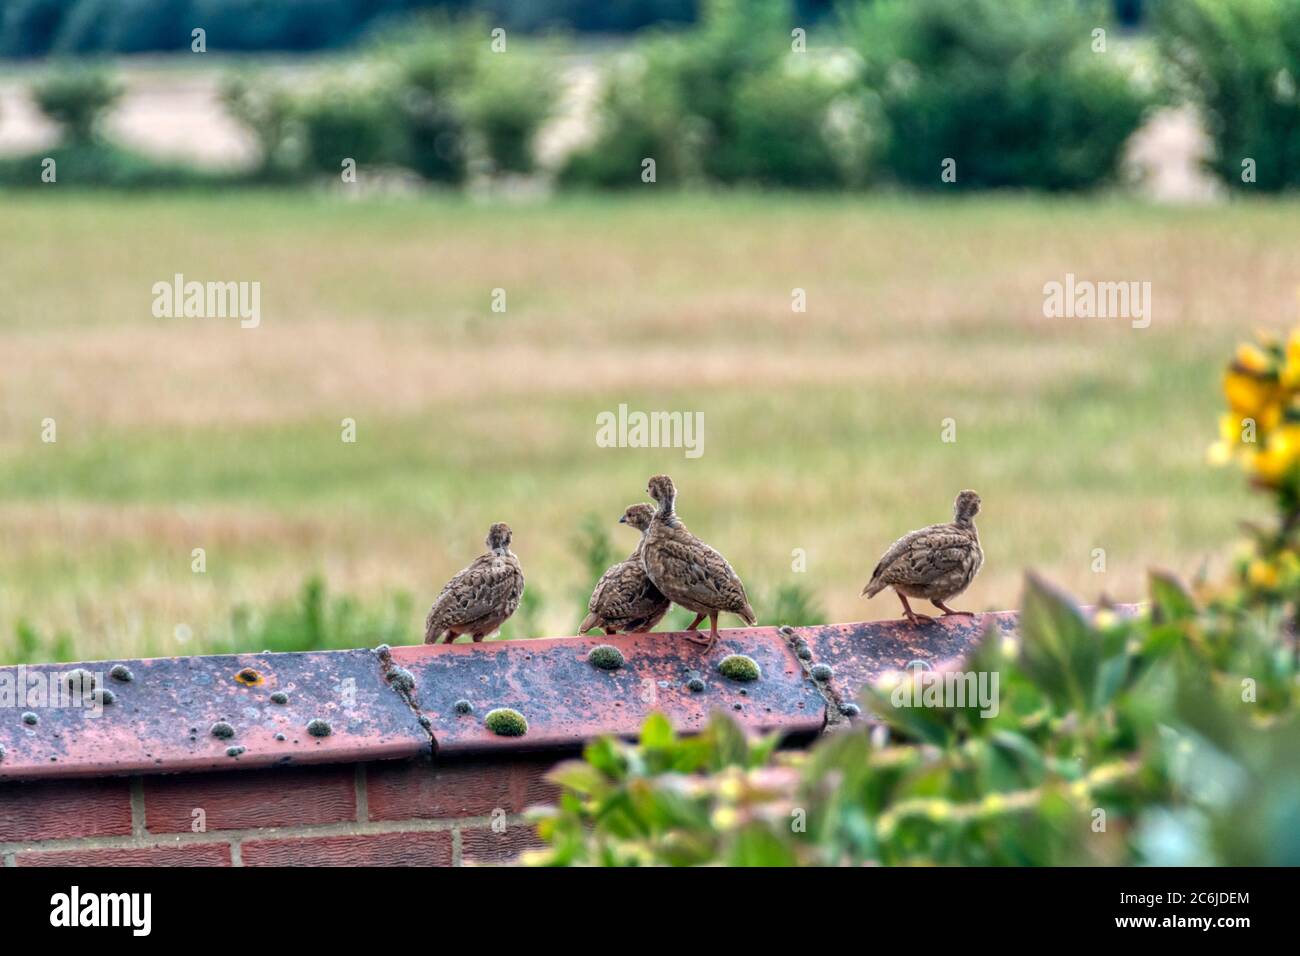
1170,598
1059,652
657,732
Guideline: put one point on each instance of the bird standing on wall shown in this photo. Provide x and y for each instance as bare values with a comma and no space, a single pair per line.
479,599
625,599
936,563
687,570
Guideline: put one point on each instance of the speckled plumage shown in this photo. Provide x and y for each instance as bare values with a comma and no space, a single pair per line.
480,598
687,570
935,563
625,599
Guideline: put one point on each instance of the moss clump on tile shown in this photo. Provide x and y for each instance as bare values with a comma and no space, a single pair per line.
787,630
505,722
606,656
104,697
383,652
121,672
319,728
822,672
695,685
222,730
80,679
803,651
402,680
739,667
850,710
234,751
279,697
425,722
463,706
30,718
279,736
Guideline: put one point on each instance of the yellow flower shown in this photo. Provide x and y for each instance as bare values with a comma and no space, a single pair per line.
1290,374
1251,358
1262,574
1281,453
1252,397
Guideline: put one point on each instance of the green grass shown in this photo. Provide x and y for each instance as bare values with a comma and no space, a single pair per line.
822,429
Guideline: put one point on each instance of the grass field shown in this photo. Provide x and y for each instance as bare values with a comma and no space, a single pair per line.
822,429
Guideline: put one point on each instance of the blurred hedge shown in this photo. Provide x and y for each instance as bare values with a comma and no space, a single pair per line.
1239,62
728,102
1011,90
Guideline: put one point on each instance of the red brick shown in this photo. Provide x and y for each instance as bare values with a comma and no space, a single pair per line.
186,854
246,799
489,847
364,849
457,787
58,809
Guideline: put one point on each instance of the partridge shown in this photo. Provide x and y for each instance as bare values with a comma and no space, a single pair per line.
624,598
687,570
936,563
479,599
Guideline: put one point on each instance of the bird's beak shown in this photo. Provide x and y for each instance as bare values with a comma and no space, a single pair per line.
622,519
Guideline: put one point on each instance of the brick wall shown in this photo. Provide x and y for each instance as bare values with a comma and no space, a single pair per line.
404,777
418,812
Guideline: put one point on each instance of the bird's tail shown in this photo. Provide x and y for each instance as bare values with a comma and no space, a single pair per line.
748,615
874,587
433,628
588,622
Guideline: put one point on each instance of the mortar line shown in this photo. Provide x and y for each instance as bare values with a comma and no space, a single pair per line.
138,828
347,828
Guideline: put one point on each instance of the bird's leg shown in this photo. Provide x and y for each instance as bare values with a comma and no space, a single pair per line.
949,612
702,641
610,631
909,613
713,632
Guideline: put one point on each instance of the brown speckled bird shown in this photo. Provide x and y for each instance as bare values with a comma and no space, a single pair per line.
479,599
936,563
625,599
687,570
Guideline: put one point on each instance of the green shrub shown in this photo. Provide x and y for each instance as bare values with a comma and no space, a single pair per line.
639,116
77,101
435,61
266,110
100,165
1009,89
355,121
509,97
1239,63
797,126
726,102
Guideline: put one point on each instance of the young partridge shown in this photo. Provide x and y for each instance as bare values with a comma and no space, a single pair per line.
687,570
479,599
935,563
625,599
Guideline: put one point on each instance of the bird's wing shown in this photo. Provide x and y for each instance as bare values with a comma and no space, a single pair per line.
625,593
695,572
920,557
491,584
